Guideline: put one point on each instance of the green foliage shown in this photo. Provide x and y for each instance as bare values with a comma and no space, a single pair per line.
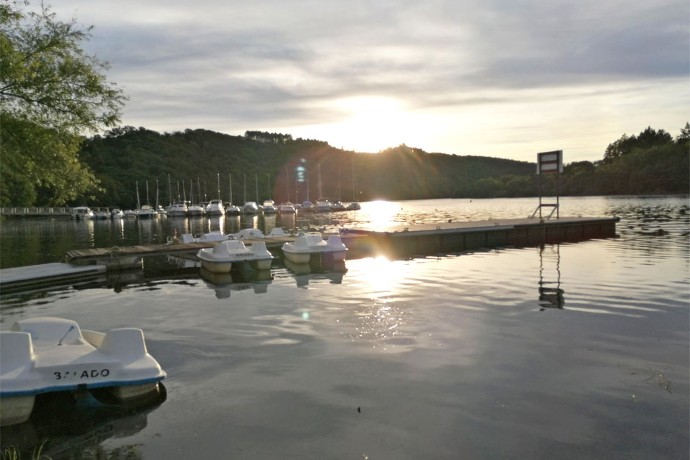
51,92
40,165
127,155
627,144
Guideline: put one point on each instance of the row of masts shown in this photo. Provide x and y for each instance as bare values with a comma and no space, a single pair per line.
182,195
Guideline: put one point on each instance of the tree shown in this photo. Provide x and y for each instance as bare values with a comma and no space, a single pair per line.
684,136
51,94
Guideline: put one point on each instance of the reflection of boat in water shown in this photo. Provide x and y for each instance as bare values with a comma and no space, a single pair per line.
237,280
75,426
222,257
46,355
311,244
304,273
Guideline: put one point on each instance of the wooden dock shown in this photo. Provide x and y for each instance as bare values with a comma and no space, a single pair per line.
31,276
395,242
125,257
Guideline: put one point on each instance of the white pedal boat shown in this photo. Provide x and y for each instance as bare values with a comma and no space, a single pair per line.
221,257
312,243
42,355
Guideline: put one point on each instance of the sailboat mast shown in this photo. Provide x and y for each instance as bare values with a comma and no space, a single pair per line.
230,185
256,185
353,178
138,201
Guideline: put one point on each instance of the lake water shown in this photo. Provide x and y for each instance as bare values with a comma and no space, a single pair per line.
563,351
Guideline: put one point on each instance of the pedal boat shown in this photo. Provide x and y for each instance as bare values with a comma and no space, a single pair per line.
222,257
44,354
312,243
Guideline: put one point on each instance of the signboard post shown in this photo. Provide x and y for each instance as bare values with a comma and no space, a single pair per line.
549,163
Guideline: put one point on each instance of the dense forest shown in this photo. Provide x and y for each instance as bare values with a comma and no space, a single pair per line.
201,164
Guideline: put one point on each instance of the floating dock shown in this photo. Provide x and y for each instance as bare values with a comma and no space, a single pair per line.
33,276
86,265
126,257
396,241
449,237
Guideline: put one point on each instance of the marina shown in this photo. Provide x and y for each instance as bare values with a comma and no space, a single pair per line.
559,348
395,241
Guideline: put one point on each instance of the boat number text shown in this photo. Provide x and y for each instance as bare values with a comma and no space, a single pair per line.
92,374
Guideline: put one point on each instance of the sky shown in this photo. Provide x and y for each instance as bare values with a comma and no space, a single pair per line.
497,78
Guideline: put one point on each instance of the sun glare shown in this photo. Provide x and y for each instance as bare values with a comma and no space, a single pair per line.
373,123
370,123
380,214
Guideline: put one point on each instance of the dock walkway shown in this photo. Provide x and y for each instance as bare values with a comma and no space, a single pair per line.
36,275
447,237
395,241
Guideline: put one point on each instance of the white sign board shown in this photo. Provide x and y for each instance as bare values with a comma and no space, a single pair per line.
550,162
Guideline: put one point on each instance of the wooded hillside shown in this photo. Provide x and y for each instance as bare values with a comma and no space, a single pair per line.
283,168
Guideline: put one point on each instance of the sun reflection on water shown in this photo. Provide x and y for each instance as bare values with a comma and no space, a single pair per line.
381,214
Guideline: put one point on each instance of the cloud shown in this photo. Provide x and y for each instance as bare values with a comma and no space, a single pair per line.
271,64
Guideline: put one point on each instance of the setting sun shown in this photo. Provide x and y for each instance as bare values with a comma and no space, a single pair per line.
370,124
374,123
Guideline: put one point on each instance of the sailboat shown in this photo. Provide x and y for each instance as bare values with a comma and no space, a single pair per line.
232,210
354,206
215,207
194,209
145,211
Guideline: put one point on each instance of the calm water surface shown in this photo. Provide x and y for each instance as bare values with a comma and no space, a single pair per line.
565,351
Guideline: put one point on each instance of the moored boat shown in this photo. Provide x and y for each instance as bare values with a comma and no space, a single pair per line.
268,207
195,210
233,210
45,354
286,208
215,208
307,206
337,206
146,212
82,213
250,207
312,243
178,209
222,257
323,206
